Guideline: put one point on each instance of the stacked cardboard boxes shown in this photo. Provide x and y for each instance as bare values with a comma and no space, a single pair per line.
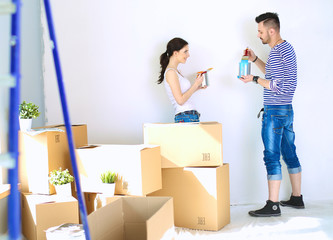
182,161
193,172
41,151
139,168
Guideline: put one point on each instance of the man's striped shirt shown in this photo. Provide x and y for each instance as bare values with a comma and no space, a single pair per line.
281,70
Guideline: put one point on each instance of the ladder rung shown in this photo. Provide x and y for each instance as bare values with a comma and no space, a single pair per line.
7,81
7,8
7,160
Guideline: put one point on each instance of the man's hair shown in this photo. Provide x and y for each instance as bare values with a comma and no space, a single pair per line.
271,20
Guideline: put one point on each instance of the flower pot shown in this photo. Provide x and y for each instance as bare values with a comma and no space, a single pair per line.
25,124
64,190
108,188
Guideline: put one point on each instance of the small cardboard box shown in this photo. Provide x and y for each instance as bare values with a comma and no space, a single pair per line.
40,212
44,150
186,144
95,201
138,167
133,218
201,196
89,199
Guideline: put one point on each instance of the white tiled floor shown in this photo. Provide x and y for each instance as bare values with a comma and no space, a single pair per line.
315,222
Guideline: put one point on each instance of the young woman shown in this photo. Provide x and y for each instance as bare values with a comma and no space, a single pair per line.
179,89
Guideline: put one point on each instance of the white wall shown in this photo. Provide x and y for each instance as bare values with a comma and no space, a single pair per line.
32,84
110,50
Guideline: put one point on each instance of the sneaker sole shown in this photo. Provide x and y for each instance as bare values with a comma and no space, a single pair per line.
264,215
292,206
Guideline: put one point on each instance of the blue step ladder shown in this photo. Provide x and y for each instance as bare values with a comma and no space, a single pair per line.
9,155
9,131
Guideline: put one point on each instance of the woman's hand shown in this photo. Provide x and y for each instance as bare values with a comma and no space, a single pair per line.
198,82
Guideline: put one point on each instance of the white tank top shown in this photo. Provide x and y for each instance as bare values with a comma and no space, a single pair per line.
184,86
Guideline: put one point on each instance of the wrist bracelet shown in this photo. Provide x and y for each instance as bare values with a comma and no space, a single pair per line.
255,59
255,79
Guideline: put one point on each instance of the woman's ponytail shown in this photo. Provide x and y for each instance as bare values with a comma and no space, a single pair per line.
164,61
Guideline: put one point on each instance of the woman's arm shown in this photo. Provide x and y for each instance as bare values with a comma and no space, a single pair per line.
172,78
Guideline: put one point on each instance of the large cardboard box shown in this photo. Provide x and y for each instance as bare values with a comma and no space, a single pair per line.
44,150
138,166
40,212
186,144
201,196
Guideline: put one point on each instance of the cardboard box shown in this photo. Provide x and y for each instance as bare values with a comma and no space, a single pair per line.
89,199
80,133
139,167
40,212
44,150
133,218
95,201
201,196
186,144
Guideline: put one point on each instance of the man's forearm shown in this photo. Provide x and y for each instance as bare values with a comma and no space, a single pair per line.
264,82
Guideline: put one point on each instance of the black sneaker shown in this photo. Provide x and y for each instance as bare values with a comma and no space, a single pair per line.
271,209
295,202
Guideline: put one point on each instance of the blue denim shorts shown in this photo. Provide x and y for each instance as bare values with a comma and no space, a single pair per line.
187,116
278,137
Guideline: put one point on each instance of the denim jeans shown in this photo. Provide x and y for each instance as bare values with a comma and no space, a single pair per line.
278,138
187,117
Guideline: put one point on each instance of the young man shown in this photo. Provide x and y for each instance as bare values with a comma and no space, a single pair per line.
277,124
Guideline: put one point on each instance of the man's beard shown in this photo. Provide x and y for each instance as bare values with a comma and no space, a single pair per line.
265,42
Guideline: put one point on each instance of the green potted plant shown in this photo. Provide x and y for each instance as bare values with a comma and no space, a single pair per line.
108,179
61,180
28,111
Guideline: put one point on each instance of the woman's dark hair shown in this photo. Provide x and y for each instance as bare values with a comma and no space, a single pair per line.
173,45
